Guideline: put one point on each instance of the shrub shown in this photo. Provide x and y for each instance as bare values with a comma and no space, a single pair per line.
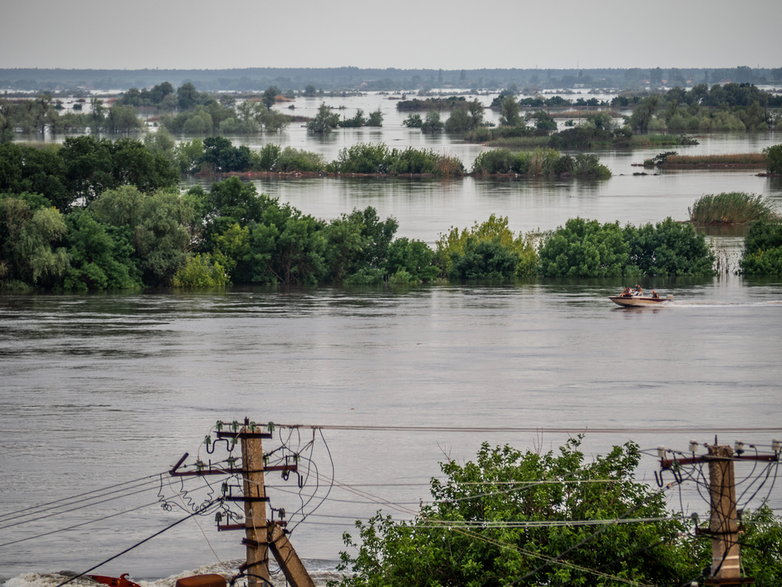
763,249
668,248
362,158
585,248
588,166
201,272
459,256
774,159
292,159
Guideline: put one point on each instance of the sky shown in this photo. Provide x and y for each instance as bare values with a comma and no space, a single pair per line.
405,34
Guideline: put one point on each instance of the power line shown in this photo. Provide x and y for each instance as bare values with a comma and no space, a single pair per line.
534,429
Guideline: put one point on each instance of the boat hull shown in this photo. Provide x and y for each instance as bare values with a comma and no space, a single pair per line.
639,301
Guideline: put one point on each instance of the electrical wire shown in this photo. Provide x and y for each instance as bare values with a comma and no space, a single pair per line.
139,543
535,429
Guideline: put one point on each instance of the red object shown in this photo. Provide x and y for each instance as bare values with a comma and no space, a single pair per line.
121,581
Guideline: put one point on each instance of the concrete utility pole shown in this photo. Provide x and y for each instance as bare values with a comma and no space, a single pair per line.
723,522
261,534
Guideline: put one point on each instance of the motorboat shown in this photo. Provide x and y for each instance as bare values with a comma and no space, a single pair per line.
639,301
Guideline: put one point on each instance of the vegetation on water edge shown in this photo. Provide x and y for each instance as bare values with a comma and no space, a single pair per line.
587,248
672,160
465,535
731,208
539,163
763,248
126,238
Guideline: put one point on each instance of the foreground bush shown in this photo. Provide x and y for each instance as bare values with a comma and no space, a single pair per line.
465,536
730,208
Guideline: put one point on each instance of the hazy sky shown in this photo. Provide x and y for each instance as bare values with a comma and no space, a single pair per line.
393,33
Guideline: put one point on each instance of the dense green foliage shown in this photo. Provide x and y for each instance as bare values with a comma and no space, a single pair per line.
324,122
586,248
727,107
82,168
540,162
511,518
774,159
763,249
487,252
379,159
730,208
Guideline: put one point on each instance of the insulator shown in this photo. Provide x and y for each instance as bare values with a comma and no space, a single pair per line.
661,452
235,425
282,513
218,517
219,425
693,446
270,426
738,447
776,445
225,488
207,441
199,465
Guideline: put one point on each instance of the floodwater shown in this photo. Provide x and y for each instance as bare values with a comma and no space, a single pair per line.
111,390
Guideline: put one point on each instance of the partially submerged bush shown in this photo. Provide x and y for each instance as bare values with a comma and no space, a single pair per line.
763,249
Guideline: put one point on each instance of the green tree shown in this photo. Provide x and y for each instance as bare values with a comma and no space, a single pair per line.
510,112
585,248
31,235
156,224
774,156
512,517
488,251
270,96
100,256
201,271
35,170
669,249
122,119
187,96
763,249
375,118
324,122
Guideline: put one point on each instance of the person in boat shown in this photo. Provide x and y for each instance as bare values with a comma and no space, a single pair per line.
654,295
638,291
626,293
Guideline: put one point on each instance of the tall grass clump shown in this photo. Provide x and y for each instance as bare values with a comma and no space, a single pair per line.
730,208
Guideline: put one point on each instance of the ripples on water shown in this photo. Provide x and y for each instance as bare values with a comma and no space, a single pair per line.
101,389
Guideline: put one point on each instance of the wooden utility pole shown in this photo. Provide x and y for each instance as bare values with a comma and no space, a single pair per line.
256,532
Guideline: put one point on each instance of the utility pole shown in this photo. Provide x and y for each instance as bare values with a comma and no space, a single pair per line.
261,534
256,531
724,526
